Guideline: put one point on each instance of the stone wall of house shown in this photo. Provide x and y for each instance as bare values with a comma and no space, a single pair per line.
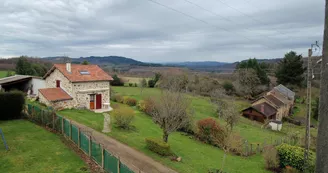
65,84
65,104
83,90
43,100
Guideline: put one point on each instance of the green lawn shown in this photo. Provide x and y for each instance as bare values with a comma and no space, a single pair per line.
3,74
35,150
203,108
196,156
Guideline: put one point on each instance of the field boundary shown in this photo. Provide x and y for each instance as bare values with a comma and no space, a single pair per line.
111,155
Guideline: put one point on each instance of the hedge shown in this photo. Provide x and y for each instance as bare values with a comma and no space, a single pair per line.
12,105
158,146
294,156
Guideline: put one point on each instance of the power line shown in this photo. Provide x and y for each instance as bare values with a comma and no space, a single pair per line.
203,21
245,14
216,14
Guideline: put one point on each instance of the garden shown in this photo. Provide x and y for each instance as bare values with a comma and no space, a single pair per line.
196,156
34,149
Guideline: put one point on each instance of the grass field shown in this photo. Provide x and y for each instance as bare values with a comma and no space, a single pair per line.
203,108
3,74
196,156
35,150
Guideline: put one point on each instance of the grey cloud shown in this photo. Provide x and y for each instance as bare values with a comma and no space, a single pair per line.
149,32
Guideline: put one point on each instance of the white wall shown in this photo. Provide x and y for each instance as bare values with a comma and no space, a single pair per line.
37,84
275,126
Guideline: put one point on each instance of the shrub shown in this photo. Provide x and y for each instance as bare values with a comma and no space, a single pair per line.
130,84
289,169
116,81
233,143
146,106
123,117
151,83
228,87
135,85
129,101
271,157
118,98
209,131
12,104
294,156
158,146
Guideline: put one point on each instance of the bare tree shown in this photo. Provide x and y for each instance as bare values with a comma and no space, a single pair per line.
217,98
142,85
231,115
171,112
247,81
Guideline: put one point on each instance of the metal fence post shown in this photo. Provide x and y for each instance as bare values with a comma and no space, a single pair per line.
70,129
89,146
62,126
118,164
41,112
102,156
78,138
53,121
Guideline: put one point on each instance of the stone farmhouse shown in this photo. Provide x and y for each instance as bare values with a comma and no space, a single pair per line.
76,86
274,105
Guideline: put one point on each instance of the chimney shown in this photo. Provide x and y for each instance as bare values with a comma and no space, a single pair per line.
262,108
68,67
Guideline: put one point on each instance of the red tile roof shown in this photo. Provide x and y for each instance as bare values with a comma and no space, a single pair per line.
55,94
95,73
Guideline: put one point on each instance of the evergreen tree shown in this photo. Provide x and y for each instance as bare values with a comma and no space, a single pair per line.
85,63
290,69
24,67
260,69
116,81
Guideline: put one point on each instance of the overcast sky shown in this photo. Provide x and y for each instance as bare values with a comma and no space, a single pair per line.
215,30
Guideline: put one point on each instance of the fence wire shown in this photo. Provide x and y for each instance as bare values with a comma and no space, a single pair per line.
58,123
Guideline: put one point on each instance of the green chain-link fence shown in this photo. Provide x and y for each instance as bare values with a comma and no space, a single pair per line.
124,168
84,143
103,157
75,134
110,162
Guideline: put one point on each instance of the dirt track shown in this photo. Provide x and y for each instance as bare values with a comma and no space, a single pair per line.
134,159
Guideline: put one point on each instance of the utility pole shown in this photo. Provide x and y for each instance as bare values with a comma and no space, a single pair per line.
322,143
308,111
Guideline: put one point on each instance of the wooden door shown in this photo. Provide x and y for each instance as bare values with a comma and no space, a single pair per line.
98,101
92,101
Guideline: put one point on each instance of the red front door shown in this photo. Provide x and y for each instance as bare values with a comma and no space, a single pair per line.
98,101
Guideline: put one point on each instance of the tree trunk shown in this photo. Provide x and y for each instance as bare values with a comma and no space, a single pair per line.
165,136
322,149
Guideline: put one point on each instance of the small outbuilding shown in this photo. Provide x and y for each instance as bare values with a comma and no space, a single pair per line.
260,112
27,84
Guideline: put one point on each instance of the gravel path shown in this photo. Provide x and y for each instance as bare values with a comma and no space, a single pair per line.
134,159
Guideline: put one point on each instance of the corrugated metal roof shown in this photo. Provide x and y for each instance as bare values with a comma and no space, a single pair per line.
16,78
286,91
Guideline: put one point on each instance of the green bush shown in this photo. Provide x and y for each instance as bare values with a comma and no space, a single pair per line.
228,87
294,156
129,101
11,105
158,146
123,117
118,98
